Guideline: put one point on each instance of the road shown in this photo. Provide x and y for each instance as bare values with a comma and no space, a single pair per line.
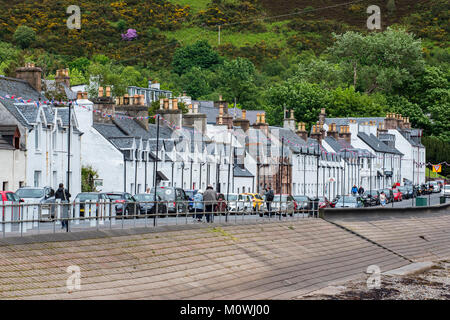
433,199
55,227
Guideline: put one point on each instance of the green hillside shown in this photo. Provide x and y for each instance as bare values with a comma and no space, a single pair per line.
302,54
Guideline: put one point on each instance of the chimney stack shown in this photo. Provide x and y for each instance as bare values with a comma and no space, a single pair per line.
316,134
62,76
289,123
79,95
390,122
175,104
345,133
407,124
100,92
301,132
322,115
242,122
32,75
332,131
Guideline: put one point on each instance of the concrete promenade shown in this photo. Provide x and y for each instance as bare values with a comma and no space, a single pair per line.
276,260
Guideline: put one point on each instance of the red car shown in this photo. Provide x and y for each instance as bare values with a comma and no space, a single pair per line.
9,196
397,195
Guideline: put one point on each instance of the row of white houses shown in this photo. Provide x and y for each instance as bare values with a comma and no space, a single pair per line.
207,146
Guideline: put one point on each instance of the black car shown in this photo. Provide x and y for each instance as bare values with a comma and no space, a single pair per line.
147,203
304,204
405,193
370,198
81,198
411,192
175,198
124,203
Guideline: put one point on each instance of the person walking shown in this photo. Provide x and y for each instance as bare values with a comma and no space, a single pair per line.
64,196
148,190
354,189
210,199
198,206
361,191
269,198
221,204
383,199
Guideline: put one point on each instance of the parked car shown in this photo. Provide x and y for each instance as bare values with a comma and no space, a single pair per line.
256,200
284,204
446,190
82,197
44,196
9,196
349,201
190,194
370,198
147,203
124,203
304,204
440,183
405,192
435,187
397,195
232,203
175,198
245,203
412,191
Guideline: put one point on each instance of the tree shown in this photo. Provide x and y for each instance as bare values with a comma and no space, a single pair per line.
81,64
380,61
24,36
88,175
236,79
196,82
76,77
199,54
306,99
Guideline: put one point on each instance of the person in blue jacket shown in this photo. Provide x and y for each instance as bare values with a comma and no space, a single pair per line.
198,205
354,190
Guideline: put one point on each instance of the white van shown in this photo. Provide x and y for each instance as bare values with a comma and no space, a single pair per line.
446,190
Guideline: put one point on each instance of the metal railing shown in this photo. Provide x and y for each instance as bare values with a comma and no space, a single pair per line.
19,219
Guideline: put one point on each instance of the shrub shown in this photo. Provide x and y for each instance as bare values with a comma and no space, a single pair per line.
24,36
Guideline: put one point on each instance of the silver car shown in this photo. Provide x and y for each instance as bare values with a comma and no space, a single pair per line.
45,196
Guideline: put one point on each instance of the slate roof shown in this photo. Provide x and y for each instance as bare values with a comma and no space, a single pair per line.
377,145
207,107
340,144
345,121
241,172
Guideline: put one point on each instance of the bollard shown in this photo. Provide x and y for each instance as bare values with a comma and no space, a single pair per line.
101,212
77,214
7,216
92,213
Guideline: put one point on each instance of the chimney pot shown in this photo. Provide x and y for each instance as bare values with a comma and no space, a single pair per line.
263,117
244,114
108,91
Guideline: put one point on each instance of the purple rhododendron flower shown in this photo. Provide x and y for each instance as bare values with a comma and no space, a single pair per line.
130,35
